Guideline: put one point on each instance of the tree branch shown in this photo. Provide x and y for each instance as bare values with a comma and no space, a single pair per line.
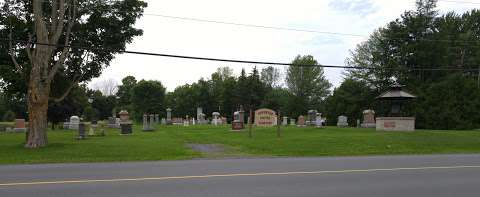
65,94
12,54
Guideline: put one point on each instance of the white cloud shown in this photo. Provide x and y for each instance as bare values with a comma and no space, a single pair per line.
173,36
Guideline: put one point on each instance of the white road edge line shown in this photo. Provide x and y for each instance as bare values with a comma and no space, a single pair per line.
232,175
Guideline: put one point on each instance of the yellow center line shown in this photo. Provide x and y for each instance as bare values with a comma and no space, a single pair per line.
234,175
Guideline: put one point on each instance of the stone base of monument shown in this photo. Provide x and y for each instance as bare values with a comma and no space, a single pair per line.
126,129
237,126
369,125
395,124
342,125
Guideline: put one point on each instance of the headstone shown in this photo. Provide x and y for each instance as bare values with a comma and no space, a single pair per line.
358,123
169,116
312,117
265,117
216,120
117,123
292,122
125,123
369,119
193,121
111,122
164,121
342,121
81,131
318,120
199,115
20,125
301,121
237,123
146,124
186,122
93,127
285,121
74,122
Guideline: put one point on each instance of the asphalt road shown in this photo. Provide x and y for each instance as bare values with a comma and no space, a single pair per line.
435,175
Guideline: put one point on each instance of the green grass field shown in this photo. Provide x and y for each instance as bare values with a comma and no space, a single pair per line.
169,143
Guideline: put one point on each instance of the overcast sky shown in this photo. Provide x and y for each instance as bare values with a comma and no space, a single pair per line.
193,38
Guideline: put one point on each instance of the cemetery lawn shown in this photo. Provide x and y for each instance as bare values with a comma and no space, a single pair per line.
174,143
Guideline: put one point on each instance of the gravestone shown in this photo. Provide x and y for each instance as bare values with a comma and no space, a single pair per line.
111,122
20,125
81,131
186,122
237,123
285,121
200,116
312,117
125,123
342,121
157,120
169,116
164,121
74,121
265,118
318,120
358,123
216,120
301,121
147,123
93,127
292,122
369,119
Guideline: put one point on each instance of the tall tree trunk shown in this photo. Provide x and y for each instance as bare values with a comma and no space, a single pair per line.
38,96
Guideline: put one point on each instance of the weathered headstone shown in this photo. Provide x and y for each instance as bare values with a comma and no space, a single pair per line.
157,118
169,116
164,121
318,120
125,123
93,127
369,119
292,122
216,120
285,121
342,121
74,122
186,122
111,122
146,124
237,123
265,117
20,125
81,131
301,121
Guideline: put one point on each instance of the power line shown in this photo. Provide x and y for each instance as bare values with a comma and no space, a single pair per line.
241,61
460,2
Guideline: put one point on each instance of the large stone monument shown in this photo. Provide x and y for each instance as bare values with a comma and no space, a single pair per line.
396,119
342,121
265,117
368,119
125,123
74,122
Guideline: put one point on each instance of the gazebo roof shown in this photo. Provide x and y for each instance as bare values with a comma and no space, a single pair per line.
396,92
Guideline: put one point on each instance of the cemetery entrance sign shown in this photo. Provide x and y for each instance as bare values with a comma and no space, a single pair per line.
265,117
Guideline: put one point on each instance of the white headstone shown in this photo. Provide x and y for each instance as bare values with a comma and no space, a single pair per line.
74,122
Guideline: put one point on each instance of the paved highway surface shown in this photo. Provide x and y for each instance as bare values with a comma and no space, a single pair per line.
423,176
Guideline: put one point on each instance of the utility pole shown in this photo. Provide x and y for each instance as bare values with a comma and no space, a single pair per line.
250,123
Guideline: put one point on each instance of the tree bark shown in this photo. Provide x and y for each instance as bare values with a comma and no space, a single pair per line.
37,113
